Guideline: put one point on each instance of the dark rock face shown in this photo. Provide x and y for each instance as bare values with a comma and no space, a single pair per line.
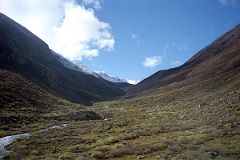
24,53
221,56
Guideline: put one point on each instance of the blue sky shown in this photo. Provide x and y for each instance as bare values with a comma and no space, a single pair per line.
131,39
173,30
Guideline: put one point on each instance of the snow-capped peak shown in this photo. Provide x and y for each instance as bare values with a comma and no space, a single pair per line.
69,64
77,66
83,68
110,77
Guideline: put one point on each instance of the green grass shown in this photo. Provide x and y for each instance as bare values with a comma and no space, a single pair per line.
163,125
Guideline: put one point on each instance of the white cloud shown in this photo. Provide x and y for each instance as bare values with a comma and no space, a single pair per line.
95,3
151,62
227,2
69,28
133,81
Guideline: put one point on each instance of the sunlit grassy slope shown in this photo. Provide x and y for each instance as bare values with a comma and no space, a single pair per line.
200,121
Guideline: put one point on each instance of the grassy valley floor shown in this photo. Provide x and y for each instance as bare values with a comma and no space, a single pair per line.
201,121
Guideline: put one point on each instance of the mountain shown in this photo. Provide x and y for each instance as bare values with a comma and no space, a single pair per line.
84,68
78,66
24,103
70,65
197,120
102,75
219,57
188,112
110,77
23,53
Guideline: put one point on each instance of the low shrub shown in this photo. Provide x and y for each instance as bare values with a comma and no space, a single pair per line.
98,155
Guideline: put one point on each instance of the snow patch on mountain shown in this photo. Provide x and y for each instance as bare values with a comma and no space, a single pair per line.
110,77
69,64
83,68
77,66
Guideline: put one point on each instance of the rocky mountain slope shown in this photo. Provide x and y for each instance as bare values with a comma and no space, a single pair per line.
110,77
221,56
24,53
78,66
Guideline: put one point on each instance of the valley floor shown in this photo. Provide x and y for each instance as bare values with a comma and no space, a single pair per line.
201,121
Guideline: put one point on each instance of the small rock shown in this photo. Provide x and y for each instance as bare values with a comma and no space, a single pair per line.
158,157
213,154
182,117
140,157
233,125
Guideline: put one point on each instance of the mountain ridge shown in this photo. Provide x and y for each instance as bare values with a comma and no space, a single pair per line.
76,65
24,53
219,56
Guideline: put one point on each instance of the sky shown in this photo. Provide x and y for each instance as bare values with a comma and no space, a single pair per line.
131,39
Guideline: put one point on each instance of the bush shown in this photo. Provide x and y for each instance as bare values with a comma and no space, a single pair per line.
98,155
78,148
107,141
143,133
175,149
119,152
67,156
103,148
130,136
146,148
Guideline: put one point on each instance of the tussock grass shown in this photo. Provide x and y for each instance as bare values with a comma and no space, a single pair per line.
200,121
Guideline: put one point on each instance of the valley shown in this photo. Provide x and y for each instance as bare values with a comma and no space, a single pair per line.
199,121
58,111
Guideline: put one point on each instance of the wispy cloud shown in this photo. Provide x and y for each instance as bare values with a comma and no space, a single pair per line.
69,28
93,3
151,62
227,2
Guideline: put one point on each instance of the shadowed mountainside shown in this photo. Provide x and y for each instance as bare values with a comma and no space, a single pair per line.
24,53
23,103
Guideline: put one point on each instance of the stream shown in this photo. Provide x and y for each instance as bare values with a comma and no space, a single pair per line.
5,141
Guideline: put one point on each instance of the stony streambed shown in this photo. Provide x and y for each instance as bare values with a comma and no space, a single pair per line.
5,141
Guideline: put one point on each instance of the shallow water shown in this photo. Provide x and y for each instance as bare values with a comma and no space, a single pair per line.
5,141
10,139
54,127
